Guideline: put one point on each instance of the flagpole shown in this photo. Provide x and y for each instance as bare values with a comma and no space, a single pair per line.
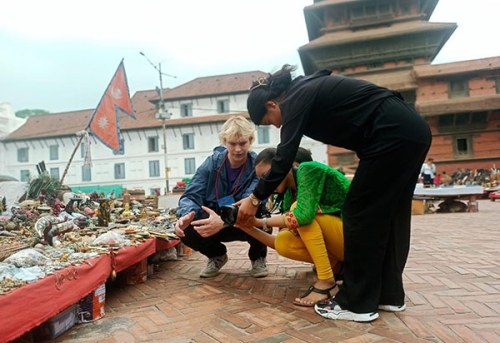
71,158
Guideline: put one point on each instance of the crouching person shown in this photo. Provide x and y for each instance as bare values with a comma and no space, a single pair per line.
225,177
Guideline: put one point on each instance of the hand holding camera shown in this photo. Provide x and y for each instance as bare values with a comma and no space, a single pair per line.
229,213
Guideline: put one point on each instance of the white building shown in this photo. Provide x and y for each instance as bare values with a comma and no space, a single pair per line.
197,111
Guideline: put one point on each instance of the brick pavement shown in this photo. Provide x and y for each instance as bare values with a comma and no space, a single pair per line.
452,281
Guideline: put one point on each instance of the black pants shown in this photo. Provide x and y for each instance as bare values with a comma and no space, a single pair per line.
377,211
212,246
427,180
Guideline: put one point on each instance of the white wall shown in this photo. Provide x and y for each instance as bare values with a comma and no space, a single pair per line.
8,120
136,157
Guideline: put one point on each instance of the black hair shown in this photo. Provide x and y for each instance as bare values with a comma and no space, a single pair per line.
265,89
303,155
267,155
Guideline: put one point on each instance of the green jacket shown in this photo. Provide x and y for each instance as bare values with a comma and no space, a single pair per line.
320,189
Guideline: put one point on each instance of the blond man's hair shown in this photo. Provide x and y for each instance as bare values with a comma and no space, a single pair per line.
237,127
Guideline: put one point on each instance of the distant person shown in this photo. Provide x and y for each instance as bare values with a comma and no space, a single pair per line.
428,172
225,177
437,180
446,179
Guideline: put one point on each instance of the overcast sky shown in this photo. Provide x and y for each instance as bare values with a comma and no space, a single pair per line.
60,55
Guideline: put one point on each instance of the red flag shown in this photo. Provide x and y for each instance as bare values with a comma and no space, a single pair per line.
105,122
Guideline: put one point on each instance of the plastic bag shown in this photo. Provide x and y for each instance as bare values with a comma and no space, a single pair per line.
110,238
28,258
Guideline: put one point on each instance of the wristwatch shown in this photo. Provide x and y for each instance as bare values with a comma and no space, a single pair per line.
255,201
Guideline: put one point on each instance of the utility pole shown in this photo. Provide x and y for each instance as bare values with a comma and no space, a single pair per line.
163,115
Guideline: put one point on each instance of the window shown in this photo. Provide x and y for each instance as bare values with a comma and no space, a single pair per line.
189,166
496,79
122,144
371,12
375,65
153,144
22,154
406,9
86,174
54,173
119,171
154,168
479,118
445,120
154,191
54,152
462,146
462,121
263,135
186,110
458,89
25,175
223,106
188,141
82,150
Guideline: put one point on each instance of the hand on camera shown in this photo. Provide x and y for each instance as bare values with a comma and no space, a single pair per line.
209,226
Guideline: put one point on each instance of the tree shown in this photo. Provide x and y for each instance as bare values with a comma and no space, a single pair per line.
30,112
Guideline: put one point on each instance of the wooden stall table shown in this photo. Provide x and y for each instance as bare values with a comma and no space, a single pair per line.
29,306
469,193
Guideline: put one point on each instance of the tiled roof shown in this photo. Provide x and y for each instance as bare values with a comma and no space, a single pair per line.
349,37
450,106
397,80
456,68
326,3
212,85
68,123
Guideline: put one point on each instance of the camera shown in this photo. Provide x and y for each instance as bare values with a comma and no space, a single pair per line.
229,213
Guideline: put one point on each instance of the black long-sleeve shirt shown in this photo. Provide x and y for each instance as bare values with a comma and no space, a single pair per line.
332,109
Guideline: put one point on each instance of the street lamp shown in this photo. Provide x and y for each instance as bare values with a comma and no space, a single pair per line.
163,115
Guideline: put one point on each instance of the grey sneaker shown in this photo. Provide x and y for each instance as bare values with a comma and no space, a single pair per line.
259,268
213,266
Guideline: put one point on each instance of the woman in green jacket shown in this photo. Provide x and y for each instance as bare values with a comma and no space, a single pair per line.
311,220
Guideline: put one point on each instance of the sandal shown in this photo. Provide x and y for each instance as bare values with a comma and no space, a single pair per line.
315,290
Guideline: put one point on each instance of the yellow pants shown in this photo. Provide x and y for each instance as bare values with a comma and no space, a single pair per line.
321,243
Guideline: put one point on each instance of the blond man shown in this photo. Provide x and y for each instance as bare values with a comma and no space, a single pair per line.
225,177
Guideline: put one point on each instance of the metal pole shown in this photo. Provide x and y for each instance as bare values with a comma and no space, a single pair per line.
162,113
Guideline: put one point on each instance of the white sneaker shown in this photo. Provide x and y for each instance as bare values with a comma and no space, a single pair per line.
331,310
392,308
